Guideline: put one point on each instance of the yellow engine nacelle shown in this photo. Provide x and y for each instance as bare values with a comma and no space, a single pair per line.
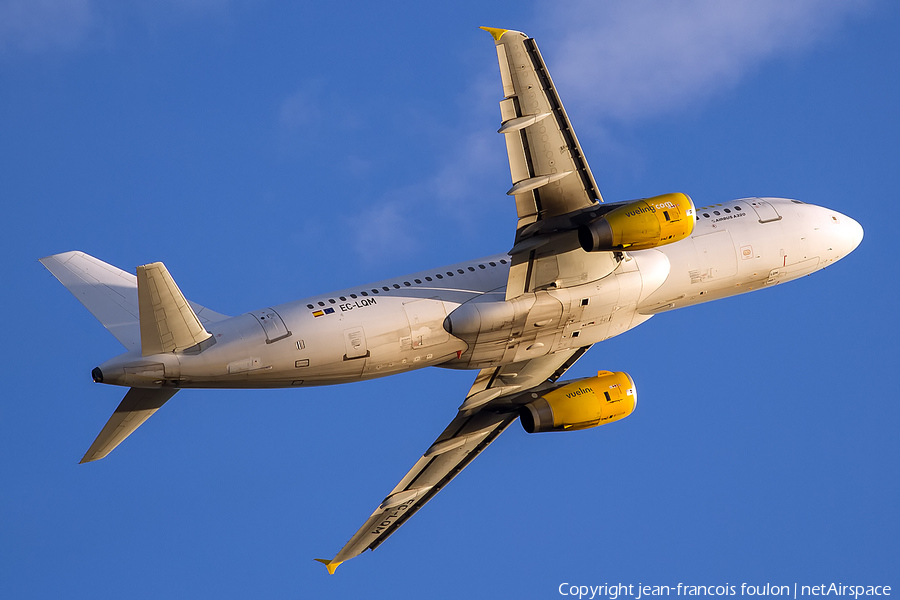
640,224
581,404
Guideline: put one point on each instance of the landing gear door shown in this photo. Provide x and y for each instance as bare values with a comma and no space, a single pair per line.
272,324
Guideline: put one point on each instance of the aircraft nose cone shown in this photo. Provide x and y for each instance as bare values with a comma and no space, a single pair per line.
854,233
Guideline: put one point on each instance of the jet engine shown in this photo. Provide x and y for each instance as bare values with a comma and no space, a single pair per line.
640,224
581,404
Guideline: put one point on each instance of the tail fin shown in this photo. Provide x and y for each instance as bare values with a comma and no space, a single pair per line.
109,293
168,324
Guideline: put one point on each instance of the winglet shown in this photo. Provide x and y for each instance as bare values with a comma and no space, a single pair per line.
331,565
495,33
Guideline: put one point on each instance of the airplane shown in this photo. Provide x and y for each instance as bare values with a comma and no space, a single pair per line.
580,271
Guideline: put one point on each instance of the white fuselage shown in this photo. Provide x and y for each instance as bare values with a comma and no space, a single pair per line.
402,323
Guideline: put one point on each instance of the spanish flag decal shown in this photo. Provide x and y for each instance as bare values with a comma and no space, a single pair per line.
322,313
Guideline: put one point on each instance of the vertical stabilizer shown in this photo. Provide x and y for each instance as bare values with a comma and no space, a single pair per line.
168,324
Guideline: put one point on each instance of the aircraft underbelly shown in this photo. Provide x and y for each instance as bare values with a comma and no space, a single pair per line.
533,325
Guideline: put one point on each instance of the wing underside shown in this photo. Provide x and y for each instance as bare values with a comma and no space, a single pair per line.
551,179
468,434
549,172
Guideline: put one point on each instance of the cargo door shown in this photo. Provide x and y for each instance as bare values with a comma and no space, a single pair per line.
426,322
272,324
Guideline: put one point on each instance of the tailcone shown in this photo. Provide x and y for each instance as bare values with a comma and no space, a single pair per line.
133,370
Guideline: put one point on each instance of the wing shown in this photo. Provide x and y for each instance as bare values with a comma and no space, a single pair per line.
549,172
475,426
552,183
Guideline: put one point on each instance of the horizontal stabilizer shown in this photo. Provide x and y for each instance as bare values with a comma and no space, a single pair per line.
109,293
168,324
137,406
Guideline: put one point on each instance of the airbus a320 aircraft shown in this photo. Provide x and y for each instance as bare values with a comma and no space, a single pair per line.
580,271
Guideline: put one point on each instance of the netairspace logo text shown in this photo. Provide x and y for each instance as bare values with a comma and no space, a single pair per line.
645,592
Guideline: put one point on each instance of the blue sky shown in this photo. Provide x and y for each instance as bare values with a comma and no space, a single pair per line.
267,151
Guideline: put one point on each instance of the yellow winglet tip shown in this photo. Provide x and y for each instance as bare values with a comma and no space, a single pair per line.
495,33
329,564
